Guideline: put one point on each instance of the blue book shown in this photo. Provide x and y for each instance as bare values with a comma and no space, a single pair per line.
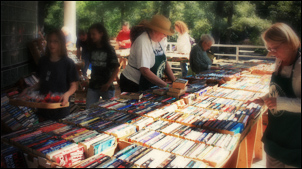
103,144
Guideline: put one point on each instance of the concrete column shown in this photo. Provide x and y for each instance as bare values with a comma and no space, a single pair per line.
70,18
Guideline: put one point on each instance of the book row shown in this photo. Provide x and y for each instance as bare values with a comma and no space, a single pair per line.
234,94
16,117
142,156
159,139
61,143
135,156
11,157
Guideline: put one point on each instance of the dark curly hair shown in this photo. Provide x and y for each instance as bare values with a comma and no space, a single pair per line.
105,38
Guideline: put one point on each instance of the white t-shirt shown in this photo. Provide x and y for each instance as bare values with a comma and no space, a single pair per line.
142,55
183,43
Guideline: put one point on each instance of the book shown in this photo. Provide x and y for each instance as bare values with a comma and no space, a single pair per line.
180,83
161,92
128,95
177,90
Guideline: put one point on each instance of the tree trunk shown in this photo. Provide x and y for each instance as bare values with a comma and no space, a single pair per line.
230,21
165,8
122,8
218,19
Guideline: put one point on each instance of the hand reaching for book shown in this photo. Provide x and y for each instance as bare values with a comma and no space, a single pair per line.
257,101
271,103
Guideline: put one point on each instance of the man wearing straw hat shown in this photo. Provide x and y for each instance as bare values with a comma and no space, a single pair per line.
147,61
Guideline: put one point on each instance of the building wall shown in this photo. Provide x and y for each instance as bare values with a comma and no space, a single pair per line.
18,27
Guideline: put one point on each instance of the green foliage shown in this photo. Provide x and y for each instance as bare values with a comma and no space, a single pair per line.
54,19
228,21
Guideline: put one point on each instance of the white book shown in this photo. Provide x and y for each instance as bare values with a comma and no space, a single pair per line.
151,154
161,142
197,151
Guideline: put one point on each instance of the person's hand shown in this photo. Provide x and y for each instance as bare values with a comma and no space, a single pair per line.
64,99
256,101
271,103
24,92
121,43
105,87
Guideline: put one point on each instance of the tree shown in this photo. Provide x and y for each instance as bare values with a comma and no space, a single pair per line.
229,22
55,16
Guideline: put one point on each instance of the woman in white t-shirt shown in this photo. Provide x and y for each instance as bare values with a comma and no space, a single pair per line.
183,44
147,61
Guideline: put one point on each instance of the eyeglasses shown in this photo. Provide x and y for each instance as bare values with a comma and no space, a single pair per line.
273,50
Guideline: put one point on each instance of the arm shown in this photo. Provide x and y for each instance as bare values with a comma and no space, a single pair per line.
79,53
169,72
111,79
289,104
126,41
149,75
66,95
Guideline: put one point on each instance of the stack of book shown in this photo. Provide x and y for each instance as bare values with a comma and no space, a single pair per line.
31,80
62,144
11,157
178,88
16,117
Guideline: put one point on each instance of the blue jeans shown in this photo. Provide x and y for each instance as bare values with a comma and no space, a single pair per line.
184,69
93,96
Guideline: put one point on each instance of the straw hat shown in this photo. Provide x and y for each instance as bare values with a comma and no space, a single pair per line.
161,24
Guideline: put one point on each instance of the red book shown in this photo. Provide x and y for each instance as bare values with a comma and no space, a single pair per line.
70,158
26,136
42,141
52,127
112,105
51,145
72,133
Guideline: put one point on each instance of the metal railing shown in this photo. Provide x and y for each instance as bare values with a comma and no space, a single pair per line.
238,47
237,55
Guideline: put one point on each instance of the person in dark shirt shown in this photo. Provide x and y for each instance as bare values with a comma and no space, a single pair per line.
82,43
199,60
57,74
104,65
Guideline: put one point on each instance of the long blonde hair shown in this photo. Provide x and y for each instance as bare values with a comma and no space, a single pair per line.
183,28
281,32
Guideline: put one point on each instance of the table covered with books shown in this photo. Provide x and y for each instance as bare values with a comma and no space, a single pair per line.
177,57
187,125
